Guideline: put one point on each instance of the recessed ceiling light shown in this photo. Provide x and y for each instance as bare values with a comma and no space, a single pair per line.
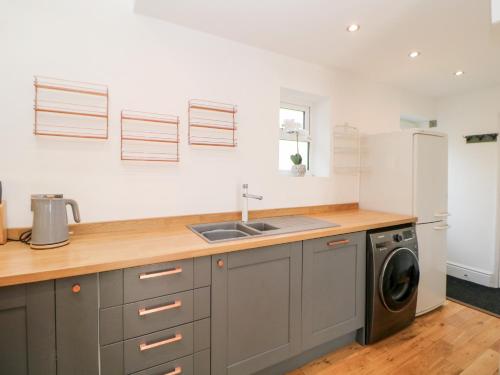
414,54
459,73
352,28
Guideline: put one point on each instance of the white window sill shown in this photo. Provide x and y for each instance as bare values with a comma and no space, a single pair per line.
309,174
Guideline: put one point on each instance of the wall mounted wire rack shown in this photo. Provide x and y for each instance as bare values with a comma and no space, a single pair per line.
149,136
70,108
346,149
212,123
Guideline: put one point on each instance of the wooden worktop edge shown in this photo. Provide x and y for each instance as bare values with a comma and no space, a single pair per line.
213,249
158,223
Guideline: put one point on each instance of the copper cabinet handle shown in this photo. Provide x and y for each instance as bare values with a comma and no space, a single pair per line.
76,288
220,263
145,311
175,371
339,242
150,275
171,340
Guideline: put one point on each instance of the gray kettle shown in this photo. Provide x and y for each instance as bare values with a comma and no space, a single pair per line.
50,221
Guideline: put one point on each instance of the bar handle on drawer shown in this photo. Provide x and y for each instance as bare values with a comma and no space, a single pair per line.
150,275
175,371
339,242
171,340
173,305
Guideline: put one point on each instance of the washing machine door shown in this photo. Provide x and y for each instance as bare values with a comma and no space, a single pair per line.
399,279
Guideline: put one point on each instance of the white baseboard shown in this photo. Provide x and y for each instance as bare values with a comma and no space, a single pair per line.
475,276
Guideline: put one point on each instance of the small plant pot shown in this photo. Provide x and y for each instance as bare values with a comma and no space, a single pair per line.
298,170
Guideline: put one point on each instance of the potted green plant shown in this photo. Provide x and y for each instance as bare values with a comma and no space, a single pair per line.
298,169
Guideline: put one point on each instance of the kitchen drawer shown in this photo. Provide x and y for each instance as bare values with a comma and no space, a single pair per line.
201,335
202,271
157,280
156,314
112,359
181,366
111,288
201,362
201,303
111,325
158,347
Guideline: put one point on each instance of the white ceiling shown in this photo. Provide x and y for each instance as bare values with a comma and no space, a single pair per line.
451,34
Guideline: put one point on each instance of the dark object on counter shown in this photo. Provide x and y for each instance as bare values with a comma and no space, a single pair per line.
50,221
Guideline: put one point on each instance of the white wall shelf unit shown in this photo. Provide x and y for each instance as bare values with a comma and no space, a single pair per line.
346,149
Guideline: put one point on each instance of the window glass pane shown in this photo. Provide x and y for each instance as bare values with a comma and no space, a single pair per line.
291,114
288,148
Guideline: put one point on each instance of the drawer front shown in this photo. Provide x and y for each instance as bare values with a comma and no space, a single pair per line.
201,303
112,359
157,280
201,334
201,362
156,314
181,366
202,271
156,348
111,325
111,288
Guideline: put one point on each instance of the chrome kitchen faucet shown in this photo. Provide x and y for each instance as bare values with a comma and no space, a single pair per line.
245,196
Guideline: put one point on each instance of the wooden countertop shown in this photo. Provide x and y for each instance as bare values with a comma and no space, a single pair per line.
89,253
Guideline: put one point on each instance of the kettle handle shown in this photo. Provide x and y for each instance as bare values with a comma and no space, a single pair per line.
74,207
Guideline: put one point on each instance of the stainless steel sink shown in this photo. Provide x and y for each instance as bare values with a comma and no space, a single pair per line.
223,231
234,230
262,227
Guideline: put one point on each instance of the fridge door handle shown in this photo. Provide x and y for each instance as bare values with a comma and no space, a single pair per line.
442,214
441,227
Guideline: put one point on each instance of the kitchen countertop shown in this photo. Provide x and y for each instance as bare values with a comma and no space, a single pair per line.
89,253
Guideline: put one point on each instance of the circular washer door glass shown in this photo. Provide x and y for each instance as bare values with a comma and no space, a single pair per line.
399,279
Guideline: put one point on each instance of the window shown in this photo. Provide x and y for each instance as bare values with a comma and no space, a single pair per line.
288,146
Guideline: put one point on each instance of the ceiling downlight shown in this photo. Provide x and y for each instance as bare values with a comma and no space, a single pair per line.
353,28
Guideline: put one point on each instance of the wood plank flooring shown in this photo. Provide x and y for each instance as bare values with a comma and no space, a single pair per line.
454,339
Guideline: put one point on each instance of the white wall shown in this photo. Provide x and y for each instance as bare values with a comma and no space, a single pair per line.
154,66
473,240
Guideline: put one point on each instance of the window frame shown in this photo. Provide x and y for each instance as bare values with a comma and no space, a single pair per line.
307,128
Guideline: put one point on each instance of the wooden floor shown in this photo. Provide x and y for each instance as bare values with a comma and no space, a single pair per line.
452,340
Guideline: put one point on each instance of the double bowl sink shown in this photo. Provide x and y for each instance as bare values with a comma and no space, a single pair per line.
236,230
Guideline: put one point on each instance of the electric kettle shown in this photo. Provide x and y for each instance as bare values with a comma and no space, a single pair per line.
50,221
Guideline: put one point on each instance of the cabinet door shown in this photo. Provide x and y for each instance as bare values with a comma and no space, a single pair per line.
77,325
255,308
432,256
333,296
27,329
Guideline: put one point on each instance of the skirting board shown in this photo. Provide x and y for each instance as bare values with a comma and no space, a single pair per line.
475,276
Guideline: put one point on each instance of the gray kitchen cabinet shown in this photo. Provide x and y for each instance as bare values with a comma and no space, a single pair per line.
333,300
256,308
77,318
27,329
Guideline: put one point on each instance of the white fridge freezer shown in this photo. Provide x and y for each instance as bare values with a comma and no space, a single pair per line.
406,172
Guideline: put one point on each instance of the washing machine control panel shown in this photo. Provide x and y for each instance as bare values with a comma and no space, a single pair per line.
389,240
